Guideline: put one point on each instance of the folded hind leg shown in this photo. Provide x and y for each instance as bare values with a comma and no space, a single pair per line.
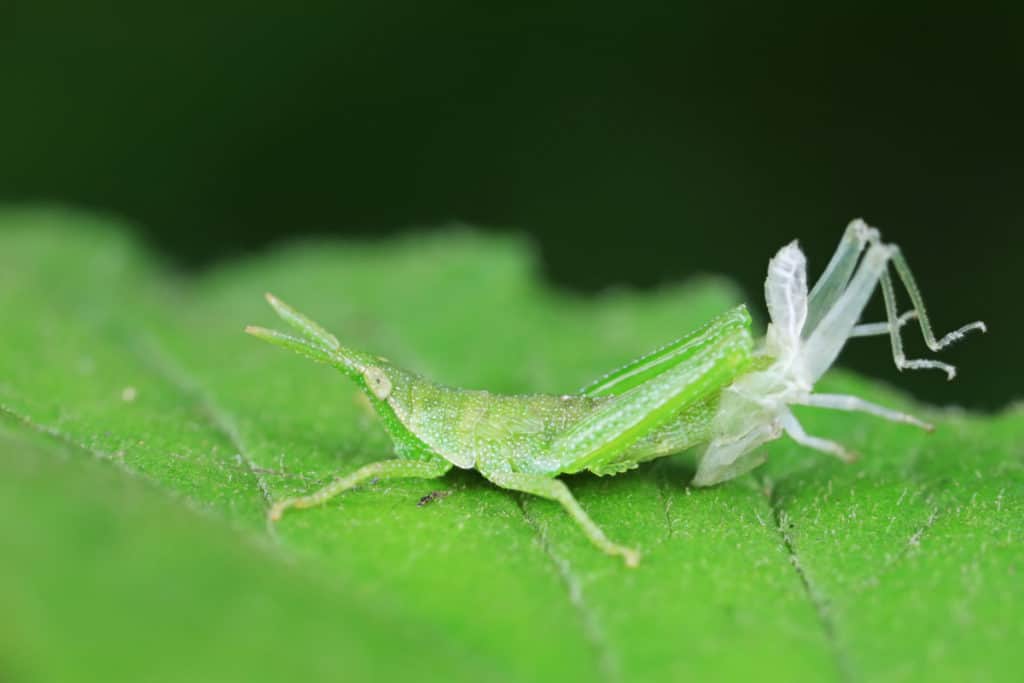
896,340
845,280
907,277
889,295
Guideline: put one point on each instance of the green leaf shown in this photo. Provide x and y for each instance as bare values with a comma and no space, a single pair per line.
155,563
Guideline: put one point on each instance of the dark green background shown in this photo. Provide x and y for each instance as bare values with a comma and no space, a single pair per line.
639,143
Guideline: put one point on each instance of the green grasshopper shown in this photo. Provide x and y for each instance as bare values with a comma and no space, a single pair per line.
714,388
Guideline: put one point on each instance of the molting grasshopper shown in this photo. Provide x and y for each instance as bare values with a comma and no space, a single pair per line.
715,389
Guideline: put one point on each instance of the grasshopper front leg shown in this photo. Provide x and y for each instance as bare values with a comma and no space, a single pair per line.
384,469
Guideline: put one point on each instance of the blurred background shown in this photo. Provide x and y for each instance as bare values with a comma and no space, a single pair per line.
637,144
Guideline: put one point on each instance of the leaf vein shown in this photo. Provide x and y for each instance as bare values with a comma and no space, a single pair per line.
175,374
54,433
819,601
592,631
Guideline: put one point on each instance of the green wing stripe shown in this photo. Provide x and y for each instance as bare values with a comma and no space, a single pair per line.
665,358
724,351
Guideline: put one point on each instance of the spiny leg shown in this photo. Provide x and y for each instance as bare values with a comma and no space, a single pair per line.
856,404
796,432
383,469
554,489
896,340
838,323
889,295
907,277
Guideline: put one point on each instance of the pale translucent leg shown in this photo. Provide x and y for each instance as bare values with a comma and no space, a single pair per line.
840,269
838,272
878,329
889,294
796,432
839,298
384,469
901,360
555,490
827,340
903,270
856,404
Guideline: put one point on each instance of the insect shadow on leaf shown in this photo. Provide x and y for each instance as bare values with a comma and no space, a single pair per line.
431,497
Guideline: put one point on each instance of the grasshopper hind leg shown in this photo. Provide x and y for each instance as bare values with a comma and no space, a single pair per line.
847,283
556,490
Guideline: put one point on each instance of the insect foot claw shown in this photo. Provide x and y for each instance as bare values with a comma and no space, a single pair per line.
275,512
630,557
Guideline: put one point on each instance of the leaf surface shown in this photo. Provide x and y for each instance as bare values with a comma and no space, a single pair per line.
156,562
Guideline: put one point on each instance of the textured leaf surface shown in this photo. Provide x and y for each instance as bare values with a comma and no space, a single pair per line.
155,563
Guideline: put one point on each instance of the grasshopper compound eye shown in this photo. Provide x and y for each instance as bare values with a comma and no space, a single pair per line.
378,382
